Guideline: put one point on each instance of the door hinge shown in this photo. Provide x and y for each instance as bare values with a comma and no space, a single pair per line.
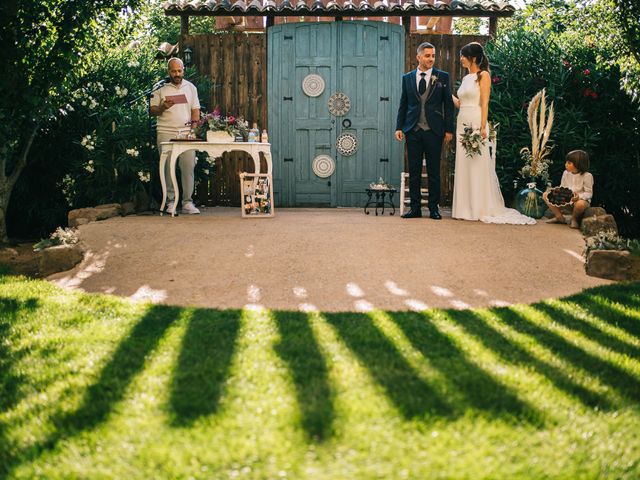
329,183
386,37
288,37
384,99
287,98
288,159
384,160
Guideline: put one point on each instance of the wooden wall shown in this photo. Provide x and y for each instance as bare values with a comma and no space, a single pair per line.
237,65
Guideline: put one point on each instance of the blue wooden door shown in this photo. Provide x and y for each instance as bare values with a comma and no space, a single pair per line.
363,60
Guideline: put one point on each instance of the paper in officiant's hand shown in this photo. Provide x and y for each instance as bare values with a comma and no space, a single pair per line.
182,98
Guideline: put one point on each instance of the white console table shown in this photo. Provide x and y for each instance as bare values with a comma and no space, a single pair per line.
172,150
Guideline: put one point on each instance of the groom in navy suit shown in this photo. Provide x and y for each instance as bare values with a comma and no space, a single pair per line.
425,116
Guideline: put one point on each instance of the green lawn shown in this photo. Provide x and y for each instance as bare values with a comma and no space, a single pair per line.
92,386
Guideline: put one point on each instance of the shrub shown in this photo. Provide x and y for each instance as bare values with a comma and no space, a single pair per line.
591,113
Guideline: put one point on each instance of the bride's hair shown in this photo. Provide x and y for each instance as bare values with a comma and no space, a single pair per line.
474,51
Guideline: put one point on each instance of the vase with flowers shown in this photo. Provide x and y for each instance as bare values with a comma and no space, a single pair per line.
537,158
218,128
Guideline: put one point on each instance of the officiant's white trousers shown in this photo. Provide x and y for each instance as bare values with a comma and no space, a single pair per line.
187,164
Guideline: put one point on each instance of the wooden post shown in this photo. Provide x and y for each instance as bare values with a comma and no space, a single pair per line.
406,23
493,26
270,21
184,24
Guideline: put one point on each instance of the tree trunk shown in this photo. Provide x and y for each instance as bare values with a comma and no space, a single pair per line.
7,182
4,203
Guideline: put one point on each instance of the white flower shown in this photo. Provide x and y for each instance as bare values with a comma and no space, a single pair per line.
144,177
69,108
84,103
206,171
93,104
133,63
89,167
100,86
121,92
132,152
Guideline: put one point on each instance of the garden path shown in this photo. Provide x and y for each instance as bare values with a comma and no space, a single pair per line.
327,259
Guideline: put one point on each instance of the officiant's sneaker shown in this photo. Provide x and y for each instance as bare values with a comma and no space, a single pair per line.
169,207
189,208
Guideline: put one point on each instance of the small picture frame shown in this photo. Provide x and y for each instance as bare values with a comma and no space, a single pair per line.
257,195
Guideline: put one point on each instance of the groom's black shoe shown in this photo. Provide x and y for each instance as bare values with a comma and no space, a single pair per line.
412,214
435,214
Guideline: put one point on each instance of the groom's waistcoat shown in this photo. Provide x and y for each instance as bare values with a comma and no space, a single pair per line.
422,122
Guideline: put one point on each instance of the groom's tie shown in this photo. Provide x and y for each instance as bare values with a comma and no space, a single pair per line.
422,86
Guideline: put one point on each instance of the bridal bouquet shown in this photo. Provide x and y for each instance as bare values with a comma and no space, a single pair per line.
471,140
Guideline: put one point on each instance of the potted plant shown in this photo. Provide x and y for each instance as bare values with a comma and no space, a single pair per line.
217,128
536,159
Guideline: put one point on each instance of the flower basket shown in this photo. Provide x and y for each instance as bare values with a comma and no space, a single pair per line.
219,136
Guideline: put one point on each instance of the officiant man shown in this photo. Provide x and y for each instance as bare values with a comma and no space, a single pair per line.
425,117
174,116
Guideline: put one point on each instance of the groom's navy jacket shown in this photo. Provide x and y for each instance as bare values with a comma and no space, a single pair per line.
439,108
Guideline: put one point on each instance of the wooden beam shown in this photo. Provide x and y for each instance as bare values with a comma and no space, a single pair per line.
184,25
493,26
270,21
406,23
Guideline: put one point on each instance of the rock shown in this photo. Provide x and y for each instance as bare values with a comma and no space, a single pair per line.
82,216
60,258
21,260
591,226
128,208
613,265
594,212
108,210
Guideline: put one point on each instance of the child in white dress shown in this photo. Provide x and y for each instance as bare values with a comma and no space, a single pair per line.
580,181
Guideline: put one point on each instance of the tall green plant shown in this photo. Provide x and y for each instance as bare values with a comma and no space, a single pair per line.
45,42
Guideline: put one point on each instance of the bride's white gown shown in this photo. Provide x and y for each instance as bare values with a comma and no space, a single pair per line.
476,190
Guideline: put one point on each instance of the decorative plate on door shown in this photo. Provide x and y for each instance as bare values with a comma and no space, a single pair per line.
313,85
339,104
347,144
323,166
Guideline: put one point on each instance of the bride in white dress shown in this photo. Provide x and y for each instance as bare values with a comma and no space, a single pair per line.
476,190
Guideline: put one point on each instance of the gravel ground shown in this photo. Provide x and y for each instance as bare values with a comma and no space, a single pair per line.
327,259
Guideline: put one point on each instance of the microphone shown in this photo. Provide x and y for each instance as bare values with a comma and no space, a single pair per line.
161,83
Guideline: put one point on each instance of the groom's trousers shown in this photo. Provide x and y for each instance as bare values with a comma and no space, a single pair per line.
424,143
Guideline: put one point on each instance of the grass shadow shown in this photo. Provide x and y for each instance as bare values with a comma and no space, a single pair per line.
605,309
479,389
412,395
99,399
621,381
589,331
203,364
495,341
10,379
299,349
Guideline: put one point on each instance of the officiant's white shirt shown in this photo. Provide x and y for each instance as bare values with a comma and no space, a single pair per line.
175,118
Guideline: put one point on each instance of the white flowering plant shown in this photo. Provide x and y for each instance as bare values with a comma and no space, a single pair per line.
61,236
610,240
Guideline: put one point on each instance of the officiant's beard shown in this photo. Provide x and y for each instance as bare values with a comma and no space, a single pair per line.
176,79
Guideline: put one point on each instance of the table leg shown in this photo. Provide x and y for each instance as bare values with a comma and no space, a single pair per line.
174,181
267,157
366,206
163,181
393,207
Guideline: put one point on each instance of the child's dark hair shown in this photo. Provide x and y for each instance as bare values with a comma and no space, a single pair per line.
580,159
475,51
